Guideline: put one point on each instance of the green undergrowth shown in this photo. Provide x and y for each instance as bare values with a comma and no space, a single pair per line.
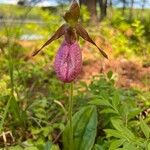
33,101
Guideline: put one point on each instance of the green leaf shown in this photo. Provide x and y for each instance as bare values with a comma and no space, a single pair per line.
133,113
145,128
100,101
48,146
148,146
128,134
116,144
117,124
113,133
116,99
16,148
129,146
109,111
18,115
84,127
109,74
98,147
31,148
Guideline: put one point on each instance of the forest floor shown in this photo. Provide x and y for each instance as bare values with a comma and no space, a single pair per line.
128,73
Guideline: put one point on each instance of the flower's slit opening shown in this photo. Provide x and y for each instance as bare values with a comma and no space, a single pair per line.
68,62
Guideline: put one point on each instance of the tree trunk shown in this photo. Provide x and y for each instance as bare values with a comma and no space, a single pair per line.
143,7
110,3
91,5
103,9
111,8
124,7
82,2
131,9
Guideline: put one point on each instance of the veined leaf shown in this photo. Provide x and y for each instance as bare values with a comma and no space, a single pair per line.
145,129
148,146
113,133
31,148
100,101
116,144
128,134
98,147
109,110
84,129
133,113
116,99
117,124
129,146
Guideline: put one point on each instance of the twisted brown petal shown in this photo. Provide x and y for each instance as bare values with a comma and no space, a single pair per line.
58,34
84,34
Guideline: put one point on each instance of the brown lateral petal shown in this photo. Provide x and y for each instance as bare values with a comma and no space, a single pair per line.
58,34
83,33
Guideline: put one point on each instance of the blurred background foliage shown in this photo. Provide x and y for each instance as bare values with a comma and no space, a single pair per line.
33,100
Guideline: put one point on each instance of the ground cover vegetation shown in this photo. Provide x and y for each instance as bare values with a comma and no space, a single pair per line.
111,98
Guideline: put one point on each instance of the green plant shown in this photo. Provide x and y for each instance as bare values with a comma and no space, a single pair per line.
118,112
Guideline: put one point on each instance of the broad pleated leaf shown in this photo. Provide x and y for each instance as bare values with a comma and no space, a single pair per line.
84,128
83,33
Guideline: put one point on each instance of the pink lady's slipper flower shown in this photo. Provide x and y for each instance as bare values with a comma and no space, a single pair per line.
68,60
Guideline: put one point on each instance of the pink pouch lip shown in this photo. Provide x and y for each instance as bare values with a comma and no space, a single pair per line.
68,62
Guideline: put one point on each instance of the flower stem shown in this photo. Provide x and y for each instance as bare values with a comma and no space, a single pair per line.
70,117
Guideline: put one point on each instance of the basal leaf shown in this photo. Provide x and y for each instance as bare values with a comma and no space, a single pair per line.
84,128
